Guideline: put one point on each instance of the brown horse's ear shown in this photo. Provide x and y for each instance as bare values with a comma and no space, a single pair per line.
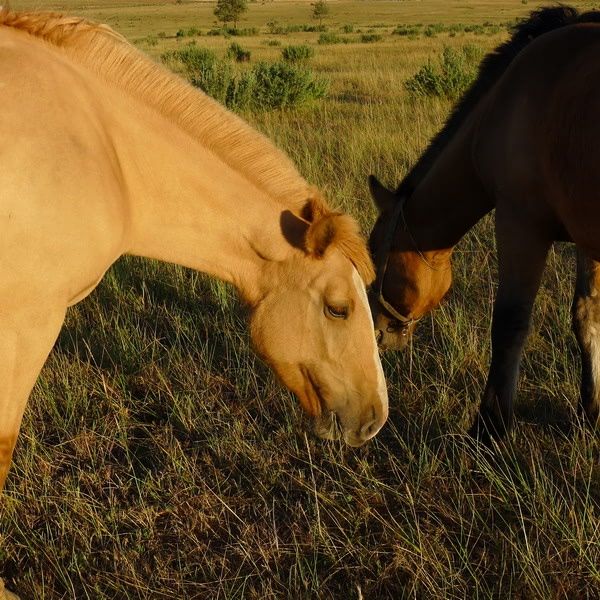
384,199
319,235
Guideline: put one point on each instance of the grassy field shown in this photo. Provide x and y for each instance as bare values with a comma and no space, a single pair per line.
158,457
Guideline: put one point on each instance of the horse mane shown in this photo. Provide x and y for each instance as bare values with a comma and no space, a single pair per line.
491,69
110,56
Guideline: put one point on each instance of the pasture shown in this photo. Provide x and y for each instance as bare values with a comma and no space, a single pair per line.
158,456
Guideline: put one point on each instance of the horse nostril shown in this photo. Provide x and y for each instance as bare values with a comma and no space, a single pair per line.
369,430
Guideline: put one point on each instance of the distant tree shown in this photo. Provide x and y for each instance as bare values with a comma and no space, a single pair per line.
228,11
320,11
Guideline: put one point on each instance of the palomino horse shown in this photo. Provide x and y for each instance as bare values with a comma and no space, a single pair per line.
523,140
107,153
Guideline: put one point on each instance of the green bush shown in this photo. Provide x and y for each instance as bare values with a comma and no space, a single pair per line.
280,85
331,38
266,86
347,28
275,28
367,38
406,30
190,59
238,53
297,54
246,32
455,71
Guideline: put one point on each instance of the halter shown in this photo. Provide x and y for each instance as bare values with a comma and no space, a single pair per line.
405,322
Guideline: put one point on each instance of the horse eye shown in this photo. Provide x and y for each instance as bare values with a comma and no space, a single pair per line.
337,312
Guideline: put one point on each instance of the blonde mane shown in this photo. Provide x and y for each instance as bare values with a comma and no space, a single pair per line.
109,55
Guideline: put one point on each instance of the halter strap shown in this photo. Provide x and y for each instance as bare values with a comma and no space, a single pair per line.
383,263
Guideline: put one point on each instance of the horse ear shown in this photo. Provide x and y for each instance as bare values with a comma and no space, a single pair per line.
319,235
384,199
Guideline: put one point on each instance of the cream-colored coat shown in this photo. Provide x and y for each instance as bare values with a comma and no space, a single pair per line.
105,153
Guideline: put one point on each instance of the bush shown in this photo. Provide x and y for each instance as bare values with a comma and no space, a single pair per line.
246,32
455,71
280,85
191,58
347,28
238,53
273,43
266,86
297,54
367,38
276,29
406,30
330,38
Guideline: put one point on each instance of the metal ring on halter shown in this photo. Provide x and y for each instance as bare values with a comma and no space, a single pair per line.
404,321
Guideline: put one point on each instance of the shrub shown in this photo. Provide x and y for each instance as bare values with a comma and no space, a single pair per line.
273,43
190,58
276,29
329,38
238,53
406,30
282,85
245,32
347,28
367,38
297,54
266,86
455,71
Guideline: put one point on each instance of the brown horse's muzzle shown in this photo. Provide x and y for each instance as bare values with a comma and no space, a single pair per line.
391,334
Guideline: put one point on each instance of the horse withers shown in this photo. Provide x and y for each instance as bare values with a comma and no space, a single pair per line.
523,140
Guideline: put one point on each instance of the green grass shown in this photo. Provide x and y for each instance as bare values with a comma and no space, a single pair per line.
159,458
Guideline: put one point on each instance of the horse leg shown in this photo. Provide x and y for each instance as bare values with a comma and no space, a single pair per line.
25,343
586,325
521,259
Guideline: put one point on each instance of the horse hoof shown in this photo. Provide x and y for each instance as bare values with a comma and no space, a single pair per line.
484,430
5,594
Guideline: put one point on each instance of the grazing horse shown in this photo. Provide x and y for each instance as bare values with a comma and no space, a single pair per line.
106,153
523,140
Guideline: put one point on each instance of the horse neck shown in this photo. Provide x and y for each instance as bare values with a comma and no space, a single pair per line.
450,199
188,207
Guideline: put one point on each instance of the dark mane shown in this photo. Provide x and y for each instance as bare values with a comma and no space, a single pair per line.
491,69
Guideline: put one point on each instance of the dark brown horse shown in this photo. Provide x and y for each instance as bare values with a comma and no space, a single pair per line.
525,140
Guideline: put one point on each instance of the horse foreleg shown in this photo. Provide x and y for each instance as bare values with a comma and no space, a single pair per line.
25,342
521,259
586,325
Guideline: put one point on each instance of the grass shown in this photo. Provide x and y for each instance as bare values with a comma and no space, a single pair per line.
159,459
